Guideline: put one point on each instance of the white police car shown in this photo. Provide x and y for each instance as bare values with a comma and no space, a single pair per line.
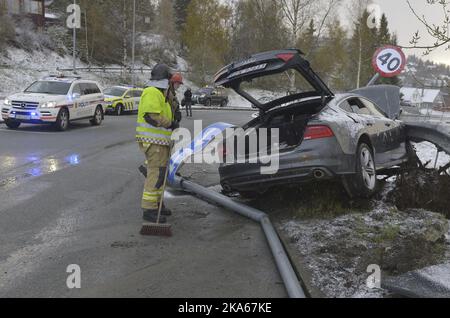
57,101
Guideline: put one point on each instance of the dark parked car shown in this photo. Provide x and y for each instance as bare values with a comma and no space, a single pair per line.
209,96
322,135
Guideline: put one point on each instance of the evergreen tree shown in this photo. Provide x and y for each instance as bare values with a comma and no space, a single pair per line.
181,7
258,27
166,23
207,37
363,45
331,59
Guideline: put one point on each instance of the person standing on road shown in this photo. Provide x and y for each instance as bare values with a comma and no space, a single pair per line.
188,102
155,124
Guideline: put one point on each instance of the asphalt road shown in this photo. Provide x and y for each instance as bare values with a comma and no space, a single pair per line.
74,198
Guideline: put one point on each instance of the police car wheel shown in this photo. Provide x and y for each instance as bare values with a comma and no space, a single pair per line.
119,110
208,103
62,121
12,124
98,117
224,103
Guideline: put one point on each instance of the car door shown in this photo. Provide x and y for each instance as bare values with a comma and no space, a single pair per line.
95,98
375,128
84,107
137,93
77,97
127,100
394,136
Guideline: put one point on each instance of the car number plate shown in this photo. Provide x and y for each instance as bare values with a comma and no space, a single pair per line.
24,117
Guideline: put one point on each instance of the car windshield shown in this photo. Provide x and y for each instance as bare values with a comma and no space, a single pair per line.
49,87
115,91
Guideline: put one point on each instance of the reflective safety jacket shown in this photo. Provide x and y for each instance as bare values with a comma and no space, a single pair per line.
153,101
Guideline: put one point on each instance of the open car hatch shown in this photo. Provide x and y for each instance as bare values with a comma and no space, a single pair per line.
270,63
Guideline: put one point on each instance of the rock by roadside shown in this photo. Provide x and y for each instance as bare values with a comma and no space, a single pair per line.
338,251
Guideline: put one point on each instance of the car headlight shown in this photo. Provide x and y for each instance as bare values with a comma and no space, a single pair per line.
48,105
7,102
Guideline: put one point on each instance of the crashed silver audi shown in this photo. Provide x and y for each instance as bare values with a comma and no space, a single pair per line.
352,137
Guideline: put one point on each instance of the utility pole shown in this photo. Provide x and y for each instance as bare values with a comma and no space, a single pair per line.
133,49
74,42
133,43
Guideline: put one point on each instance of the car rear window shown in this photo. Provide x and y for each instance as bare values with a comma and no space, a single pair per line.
89,88
272,87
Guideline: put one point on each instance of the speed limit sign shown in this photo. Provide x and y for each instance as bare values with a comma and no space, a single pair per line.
389,61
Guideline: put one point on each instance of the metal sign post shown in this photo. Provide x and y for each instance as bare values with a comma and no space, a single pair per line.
133,50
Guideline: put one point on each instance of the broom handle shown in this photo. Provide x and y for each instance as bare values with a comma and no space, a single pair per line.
164,185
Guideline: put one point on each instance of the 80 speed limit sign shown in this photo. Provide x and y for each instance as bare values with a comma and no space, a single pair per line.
389,61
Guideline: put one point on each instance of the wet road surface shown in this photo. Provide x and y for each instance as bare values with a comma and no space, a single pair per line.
73,198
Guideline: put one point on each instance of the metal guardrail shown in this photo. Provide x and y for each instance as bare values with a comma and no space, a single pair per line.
287,272
436,133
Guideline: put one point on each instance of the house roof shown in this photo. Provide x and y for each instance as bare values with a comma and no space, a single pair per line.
418,95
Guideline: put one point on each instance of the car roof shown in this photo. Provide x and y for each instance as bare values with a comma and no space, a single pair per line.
67,79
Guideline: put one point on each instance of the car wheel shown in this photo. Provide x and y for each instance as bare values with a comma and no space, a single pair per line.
208,103
98,117
11,124
364,183
119,110
62,121
224,103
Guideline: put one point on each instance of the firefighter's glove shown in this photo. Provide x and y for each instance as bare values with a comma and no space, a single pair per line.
178,116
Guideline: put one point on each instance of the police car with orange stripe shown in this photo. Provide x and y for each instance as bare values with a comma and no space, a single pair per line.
55,100
120,99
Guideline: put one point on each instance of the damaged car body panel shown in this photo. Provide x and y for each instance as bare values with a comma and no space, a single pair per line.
321,135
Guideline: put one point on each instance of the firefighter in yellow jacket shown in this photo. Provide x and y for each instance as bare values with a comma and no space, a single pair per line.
155,123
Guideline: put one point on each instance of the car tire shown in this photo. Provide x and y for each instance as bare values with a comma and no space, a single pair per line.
12,124
208,103
119,110
364,183
62,121
98,117
224,103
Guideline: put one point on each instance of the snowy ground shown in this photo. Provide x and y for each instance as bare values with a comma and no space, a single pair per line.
337,251
19,68
427,153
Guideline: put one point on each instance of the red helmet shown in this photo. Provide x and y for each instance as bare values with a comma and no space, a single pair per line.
176,78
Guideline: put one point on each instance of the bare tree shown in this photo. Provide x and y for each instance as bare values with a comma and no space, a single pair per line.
298,13
440,33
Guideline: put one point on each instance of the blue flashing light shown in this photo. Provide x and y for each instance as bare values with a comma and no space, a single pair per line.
74,160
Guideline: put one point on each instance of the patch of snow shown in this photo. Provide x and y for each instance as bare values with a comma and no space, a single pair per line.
427,153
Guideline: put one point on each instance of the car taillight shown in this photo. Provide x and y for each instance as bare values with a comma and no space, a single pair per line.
318,132
286,57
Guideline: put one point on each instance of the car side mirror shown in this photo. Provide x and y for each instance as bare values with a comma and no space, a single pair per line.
76,95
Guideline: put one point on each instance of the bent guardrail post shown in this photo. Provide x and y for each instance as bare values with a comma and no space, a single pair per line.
287,273
437,134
